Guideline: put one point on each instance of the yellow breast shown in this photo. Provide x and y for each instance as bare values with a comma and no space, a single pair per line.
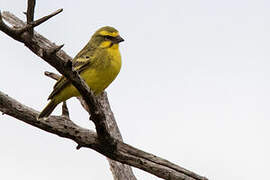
100,78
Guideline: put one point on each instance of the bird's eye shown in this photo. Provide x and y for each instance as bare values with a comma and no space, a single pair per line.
109,37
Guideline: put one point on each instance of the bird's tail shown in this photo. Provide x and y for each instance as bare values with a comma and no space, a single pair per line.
47,110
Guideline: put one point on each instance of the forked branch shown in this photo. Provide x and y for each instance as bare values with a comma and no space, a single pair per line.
124,153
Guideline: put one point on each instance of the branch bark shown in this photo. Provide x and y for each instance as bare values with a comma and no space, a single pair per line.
107,141
124,153
30,14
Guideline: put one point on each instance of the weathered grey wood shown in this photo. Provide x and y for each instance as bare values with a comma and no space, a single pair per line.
124,153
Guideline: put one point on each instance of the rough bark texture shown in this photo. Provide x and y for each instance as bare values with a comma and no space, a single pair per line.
124,153
107,140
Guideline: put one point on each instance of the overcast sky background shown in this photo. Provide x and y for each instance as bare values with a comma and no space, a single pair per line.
194,87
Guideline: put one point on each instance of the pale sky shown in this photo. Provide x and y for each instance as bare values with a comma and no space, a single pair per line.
194,87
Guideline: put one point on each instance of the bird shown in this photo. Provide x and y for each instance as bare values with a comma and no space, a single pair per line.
98,63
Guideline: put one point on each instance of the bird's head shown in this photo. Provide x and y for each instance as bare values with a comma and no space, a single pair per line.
107,37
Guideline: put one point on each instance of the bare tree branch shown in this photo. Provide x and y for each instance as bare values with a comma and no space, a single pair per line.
17,32
30,14
105,142
31,25
52,75
123,153
65,111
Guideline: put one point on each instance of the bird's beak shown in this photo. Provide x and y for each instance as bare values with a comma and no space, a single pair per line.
118,39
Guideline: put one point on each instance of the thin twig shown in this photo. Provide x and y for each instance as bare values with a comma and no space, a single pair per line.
45,18
65,111
30,11
52,75
30,14
33,24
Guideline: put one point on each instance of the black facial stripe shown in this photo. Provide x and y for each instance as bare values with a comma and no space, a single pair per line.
110,38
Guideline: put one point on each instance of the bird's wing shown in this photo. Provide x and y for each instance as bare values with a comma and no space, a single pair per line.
79,65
